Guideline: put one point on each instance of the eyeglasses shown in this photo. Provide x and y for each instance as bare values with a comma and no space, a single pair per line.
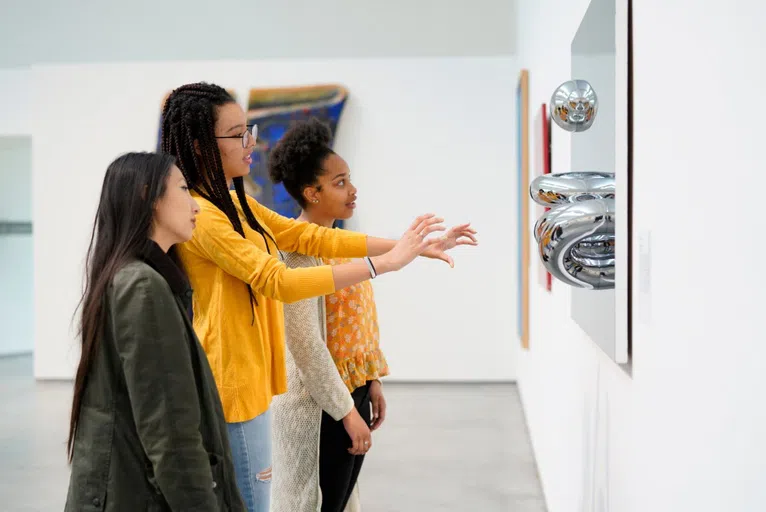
252,132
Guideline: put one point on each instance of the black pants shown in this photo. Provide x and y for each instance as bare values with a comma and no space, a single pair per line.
338,469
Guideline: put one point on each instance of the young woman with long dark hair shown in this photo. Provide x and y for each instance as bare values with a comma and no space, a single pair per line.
147,430
239,280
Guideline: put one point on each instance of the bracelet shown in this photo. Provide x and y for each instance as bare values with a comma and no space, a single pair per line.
373,272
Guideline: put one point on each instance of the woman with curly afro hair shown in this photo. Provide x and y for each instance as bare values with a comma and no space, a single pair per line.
323,424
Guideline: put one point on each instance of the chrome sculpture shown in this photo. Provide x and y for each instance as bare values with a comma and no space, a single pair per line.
575,237
574,105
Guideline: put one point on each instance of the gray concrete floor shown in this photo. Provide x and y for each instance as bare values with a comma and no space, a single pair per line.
444,447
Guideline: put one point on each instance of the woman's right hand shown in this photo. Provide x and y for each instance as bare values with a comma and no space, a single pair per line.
411,245
358,431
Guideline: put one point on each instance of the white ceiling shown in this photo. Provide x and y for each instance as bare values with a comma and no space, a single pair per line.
56,31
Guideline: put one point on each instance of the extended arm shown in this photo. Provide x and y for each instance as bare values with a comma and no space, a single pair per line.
378,246
215,239
313,240
462,234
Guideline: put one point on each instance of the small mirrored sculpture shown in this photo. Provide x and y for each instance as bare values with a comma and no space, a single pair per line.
574,105
575,237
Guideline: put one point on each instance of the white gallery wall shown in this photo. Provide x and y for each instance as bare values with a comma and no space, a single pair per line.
429,134
16,249
685,431
15,102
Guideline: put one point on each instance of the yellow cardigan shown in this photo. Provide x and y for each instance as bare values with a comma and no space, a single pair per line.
247,354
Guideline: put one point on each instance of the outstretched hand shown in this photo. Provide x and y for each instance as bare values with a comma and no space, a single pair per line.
462,234
413,243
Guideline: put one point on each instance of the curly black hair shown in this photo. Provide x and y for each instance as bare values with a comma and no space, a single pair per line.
297,158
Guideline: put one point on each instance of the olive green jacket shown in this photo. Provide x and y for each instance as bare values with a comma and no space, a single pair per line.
151,433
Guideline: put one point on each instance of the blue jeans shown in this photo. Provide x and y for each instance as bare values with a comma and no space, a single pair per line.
251,449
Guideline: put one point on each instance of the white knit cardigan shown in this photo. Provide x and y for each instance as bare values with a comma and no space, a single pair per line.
313,385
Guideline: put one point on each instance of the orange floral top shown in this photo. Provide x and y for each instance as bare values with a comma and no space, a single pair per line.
352,333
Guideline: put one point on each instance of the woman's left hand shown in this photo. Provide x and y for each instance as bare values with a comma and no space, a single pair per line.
378,404
462,234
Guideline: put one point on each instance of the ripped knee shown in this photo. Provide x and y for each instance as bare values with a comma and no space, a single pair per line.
264,476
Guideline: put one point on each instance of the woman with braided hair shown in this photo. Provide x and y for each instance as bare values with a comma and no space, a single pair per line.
238,277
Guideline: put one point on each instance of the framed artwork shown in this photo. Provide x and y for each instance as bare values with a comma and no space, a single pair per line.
275,110
601,54
522,171
543,166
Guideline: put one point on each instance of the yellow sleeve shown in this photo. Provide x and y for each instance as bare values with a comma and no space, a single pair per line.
308,238
215,239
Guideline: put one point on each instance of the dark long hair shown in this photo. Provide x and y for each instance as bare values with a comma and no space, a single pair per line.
132,185
189,115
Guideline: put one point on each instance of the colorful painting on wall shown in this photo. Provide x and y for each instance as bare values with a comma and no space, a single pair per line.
274,110
543,166
522,170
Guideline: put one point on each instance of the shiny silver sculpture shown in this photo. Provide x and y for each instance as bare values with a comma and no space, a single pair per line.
574,105
575,237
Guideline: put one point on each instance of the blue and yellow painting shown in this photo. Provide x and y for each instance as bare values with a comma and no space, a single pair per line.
275,111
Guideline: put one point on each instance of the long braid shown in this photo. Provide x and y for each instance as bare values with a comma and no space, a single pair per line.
239,188
189,115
